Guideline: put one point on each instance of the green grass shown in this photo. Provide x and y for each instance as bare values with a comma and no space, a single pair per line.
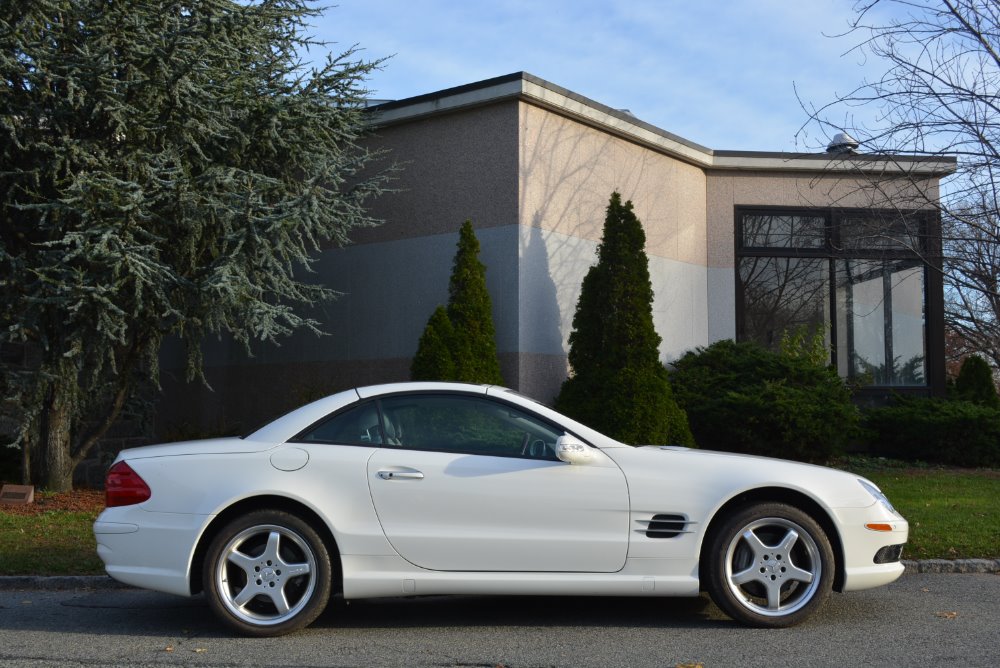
52,543
953,513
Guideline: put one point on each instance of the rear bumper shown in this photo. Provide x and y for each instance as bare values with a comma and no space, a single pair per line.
149,550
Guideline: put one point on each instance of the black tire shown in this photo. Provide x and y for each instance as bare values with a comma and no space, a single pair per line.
267,573
769,565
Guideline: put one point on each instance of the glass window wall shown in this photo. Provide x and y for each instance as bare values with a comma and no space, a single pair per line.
857,278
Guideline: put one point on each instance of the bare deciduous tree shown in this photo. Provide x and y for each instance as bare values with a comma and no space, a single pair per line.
940,95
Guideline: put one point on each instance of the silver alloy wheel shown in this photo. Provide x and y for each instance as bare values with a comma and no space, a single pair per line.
773,567
266,574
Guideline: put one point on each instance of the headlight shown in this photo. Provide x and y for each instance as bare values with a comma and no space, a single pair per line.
878,495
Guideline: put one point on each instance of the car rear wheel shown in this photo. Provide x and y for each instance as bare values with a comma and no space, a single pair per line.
267,573
769,565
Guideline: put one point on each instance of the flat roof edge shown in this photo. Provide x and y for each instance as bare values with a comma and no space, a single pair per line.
539,92
890,164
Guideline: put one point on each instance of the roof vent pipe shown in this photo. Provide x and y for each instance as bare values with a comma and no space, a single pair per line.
843,144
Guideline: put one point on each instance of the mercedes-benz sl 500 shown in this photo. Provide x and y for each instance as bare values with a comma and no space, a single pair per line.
439,488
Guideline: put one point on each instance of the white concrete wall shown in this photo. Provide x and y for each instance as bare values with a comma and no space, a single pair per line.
721,303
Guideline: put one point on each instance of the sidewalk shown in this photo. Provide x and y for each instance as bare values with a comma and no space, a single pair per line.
65,582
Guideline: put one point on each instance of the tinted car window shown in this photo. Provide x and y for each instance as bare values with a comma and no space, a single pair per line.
356,426
473,425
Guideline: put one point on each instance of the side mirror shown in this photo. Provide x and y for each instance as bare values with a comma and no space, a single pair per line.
572,451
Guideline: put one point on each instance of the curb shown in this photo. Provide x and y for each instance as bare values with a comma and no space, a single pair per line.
68,582
952,566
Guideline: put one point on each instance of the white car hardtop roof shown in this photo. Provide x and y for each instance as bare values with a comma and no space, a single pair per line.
421,386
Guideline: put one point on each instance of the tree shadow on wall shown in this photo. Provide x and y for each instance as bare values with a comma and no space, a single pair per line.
540,323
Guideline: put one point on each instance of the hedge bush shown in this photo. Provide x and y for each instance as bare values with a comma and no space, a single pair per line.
952,432
740,397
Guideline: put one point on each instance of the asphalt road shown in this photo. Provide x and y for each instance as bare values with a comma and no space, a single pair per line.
920,620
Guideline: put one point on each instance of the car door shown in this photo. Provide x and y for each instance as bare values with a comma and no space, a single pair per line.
468,483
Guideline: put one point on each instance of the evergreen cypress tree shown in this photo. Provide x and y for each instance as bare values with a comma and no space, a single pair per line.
618,384
469,335
975,382
166,169
471,313
433,360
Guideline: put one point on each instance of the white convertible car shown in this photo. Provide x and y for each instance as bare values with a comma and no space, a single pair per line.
442,488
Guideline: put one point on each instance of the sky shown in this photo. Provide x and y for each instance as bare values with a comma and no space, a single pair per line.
720,73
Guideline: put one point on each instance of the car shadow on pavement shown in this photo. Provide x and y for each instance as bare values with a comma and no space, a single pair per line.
522,611
138,612
132,612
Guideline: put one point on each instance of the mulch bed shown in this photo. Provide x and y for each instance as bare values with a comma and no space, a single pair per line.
77,501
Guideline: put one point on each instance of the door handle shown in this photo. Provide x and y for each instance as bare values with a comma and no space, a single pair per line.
400,475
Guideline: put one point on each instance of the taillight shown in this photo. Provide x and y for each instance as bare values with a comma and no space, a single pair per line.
124,487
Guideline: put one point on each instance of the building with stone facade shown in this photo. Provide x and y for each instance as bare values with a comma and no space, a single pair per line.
745,245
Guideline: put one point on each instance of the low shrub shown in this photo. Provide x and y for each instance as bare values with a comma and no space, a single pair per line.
740,397
953,432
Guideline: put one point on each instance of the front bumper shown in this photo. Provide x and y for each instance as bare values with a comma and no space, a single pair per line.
871,558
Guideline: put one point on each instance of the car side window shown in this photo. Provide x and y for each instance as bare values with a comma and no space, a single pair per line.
472,425
355,426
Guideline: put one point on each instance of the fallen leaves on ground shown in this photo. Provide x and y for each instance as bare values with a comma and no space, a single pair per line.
77,501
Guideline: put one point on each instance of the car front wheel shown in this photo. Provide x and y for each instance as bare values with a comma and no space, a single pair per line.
769,565
267,573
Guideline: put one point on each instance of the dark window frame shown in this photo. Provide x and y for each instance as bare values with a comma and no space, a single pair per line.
832,251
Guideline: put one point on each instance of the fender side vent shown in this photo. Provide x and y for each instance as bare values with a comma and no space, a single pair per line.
664,526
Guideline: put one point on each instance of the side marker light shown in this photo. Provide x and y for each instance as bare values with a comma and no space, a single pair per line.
878,526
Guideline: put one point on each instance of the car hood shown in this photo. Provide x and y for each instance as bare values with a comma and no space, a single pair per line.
728,474
738,459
